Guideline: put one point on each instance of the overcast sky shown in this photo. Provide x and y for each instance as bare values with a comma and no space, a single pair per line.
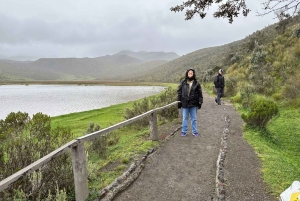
93,28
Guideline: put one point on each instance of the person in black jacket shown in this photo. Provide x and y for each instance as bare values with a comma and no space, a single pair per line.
190,99
219,83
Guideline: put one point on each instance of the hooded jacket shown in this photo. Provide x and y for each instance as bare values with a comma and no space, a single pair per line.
195,97
219,81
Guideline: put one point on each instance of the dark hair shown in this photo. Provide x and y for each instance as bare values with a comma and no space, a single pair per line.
187,71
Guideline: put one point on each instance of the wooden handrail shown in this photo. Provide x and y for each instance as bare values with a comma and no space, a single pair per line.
79,156
121,124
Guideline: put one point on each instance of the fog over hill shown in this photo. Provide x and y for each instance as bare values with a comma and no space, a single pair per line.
151,56
140,66
19,58
113,67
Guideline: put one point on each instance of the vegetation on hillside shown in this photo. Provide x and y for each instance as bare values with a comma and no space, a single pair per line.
265,83
271,69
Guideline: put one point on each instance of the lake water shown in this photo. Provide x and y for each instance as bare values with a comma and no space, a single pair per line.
55,100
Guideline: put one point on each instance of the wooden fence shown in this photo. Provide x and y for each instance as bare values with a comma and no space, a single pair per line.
78,154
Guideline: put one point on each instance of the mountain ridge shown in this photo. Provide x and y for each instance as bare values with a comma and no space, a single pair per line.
103,67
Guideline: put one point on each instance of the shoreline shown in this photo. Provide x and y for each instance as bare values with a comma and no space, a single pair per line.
85,82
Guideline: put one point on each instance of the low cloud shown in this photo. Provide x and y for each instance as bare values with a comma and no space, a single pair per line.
80,29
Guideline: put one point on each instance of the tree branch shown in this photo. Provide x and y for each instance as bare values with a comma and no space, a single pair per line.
233,8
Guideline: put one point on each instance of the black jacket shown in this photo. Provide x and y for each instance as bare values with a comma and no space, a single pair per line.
219,81
195,98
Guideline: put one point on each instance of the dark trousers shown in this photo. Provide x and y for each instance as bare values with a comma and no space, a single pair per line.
220,94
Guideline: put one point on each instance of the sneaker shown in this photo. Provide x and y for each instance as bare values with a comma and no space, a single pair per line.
216,100
183,134
196,134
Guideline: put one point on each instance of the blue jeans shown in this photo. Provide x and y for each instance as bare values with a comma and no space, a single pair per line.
192,111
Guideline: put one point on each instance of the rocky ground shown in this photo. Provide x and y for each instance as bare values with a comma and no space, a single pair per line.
218,165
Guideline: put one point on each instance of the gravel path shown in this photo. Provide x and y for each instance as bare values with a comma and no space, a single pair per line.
186,168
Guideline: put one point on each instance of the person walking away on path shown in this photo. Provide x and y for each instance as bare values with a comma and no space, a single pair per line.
219,83
190,100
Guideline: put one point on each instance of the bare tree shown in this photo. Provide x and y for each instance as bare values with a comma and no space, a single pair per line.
282,8
233,8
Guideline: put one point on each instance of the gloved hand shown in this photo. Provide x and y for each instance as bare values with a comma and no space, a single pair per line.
179,105
199,107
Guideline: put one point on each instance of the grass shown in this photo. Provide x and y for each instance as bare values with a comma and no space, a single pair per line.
79,122
278,147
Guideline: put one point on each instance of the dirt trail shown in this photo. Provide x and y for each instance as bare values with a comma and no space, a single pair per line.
184,168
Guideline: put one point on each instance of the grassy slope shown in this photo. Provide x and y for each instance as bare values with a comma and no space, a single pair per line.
278,145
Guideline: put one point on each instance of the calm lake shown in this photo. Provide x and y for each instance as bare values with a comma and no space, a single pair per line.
55,100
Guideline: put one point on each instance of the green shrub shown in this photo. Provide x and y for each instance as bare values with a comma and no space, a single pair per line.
147,104
237,98
137,109
290,91
277,96
124,160
247,94
113,139
92,128
120,168
296,32
261,112
231,84
25,140
100,144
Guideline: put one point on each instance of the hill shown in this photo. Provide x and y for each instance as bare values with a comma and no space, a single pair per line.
207,61
151,56
109,67
200,60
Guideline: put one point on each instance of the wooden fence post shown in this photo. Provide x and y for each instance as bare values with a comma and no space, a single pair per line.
153,126
80,172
